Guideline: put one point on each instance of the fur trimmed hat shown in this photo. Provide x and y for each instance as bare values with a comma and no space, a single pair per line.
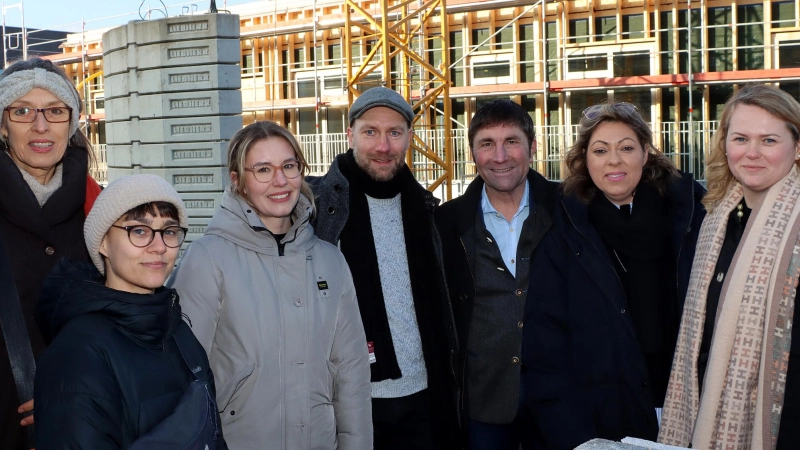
122,195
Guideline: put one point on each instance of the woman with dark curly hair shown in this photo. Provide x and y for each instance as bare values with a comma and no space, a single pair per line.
610,280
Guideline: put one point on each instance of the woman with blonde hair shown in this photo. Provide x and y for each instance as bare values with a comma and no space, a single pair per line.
275,308
608,283
733,379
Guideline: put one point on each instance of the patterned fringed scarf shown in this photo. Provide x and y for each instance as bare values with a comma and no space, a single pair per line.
746,377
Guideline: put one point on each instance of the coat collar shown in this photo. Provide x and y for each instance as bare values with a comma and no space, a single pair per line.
236,221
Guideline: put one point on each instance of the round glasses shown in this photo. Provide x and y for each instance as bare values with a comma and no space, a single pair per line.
592,111
264,173
142,235
25,114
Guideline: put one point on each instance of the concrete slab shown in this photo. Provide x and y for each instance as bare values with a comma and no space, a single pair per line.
202,204
173,130
197,179
175,104
173,54
173,79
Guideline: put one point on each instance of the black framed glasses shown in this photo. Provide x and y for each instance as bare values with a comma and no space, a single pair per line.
264,173
25,114
142,235
592,111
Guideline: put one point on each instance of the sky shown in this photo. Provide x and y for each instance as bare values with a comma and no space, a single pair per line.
67,15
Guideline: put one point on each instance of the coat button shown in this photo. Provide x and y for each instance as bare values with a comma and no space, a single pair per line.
298,302
622,310
519,292
337,187
519,324
49,251
515,360
331,210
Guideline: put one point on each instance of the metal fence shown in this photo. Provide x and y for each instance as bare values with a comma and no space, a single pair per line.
553,141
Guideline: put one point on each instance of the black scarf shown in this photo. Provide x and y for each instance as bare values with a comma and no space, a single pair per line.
638,241
358,247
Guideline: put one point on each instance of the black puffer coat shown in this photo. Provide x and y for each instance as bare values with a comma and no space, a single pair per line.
112,370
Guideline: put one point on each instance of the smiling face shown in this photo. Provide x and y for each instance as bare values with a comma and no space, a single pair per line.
39,146
615,159
503,155
275,200
379,139
139,270
761,150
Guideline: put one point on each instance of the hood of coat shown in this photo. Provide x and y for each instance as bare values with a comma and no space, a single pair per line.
75,288
236,221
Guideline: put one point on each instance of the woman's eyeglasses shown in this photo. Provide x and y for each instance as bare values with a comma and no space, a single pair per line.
264,173
592,111
25,114
142,235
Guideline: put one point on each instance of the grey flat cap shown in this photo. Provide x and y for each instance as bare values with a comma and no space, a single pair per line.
380,96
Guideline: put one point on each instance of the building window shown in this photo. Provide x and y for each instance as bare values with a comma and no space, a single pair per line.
478,36
551,48
751,37
505,38
491,69
335,54
631,64
720,37
789,54
587,63
667,49
306,88
299,57
783,14
633,26
683,40
456,53
527,53
605,28
247,63
578,31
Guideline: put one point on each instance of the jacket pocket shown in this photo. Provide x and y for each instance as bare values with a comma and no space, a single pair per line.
236,388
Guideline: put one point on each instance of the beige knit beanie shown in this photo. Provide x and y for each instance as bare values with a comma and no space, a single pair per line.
122,195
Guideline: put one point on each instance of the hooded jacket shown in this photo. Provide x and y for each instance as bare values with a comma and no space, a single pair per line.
283,332
113,370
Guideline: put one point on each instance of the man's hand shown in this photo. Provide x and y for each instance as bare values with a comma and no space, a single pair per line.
24,408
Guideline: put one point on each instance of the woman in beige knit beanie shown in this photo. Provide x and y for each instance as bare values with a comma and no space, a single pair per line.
120,360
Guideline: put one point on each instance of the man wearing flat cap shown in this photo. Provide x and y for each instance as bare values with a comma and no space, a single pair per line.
372,207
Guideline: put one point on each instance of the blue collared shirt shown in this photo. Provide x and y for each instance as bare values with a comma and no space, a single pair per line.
506,234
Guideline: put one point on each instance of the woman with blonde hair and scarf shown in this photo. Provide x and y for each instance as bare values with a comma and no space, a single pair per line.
733,382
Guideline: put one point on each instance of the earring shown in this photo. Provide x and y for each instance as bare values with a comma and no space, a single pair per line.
726,153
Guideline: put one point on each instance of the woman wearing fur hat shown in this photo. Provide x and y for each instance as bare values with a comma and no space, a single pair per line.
119,358
275,308
43,190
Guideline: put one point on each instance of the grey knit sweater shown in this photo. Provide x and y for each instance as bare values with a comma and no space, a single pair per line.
390,245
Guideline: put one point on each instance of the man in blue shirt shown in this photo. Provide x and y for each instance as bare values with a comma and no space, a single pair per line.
488,235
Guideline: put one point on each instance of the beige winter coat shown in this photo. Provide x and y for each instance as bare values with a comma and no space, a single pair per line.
283,333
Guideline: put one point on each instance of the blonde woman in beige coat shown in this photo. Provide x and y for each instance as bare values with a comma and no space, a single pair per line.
275,308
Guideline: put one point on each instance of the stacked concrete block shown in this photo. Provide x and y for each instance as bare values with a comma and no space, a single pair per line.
173,101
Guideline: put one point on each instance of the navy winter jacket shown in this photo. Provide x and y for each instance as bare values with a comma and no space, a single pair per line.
584,373
112,370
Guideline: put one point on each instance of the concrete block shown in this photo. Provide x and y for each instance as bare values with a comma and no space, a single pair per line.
176,104
197,227
119,133
173,130
195,179
118,155
173,54
197,154
173,79
185,28
201,204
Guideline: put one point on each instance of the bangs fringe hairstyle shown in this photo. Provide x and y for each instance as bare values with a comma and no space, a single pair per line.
658,170
157,209
245,138
772,100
